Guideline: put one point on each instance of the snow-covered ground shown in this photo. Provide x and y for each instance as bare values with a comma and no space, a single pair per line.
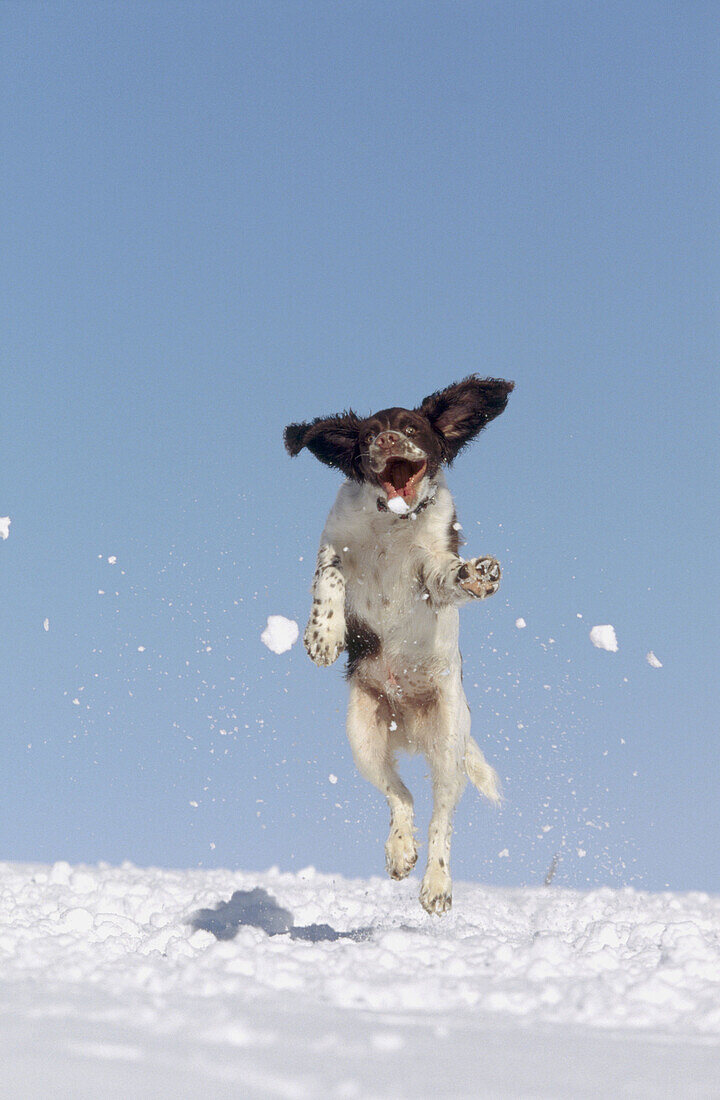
119,982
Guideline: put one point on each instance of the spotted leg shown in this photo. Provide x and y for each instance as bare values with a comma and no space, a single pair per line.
324,636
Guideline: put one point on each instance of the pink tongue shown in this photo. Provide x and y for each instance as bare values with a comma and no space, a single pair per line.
398,485
392,492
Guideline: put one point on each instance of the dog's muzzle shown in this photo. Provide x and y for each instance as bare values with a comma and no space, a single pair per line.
398,464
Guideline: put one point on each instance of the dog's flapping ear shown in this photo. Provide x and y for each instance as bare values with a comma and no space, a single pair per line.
332,439
462,410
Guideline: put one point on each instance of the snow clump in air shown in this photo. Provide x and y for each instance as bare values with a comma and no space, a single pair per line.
652,660
5,522
399,506
520,623
280,634
603,637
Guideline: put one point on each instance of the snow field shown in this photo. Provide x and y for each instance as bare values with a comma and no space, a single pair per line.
111,978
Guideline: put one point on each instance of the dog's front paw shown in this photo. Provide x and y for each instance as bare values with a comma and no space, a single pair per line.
480,577
436,891
324,639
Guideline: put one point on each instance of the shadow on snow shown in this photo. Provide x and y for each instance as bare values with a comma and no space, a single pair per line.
258,909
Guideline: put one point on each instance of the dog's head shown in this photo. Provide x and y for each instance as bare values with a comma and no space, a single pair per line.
401,450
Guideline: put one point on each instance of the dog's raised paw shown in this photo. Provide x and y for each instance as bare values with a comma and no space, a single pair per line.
480,577
323,647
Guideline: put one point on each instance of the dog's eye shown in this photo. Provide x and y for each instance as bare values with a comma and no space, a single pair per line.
368,437
410,430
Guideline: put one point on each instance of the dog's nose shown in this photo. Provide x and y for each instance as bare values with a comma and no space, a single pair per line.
387,440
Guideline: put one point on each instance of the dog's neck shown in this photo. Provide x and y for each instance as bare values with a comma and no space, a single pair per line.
372,498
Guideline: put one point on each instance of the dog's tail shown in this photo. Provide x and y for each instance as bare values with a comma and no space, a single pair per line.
481,774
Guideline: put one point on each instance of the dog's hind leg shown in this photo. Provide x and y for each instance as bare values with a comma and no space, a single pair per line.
446,758
368,734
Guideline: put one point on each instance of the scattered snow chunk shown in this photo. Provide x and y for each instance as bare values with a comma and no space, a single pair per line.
46,624
652,660
505,854
82,881
60,873
332,778
520,623
77,919
141,649
280,634
399,506
603,637
393,725
5,522
112,560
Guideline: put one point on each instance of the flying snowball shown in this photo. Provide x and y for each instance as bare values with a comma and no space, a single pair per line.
520,623
603,637
5,522
652,660
399,506
280,634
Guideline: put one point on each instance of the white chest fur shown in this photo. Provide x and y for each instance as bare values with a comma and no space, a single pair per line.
381,558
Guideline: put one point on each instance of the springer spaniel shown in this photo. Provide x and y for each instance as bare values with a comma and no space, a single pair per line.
387,588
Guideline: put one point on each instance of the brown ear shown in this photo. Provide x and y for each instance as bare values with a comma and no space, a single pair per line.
462,410
332,439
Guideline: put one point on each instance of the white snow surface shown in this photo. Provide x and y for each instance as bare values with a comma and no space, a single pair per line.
280,634
603,637
121,981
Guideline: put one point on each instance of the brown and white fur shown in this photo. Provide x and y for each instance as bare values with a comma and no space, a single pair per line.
387,589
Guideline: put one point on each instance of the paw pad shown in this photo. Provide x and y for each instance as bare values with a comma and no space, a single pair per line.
480,577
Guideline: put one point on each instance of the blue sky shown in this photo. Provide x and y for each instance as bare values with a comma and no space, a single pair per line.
219,218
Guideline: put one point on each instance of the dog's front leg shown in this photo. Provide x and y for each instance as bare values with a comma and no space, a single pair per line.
324,636
448,579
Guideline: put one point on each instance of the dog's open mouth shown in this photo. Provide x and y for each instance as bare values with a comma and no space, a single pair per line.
401,478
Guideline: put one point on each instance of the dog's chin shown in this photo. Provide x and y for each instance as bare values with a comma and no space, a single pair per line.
403,478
